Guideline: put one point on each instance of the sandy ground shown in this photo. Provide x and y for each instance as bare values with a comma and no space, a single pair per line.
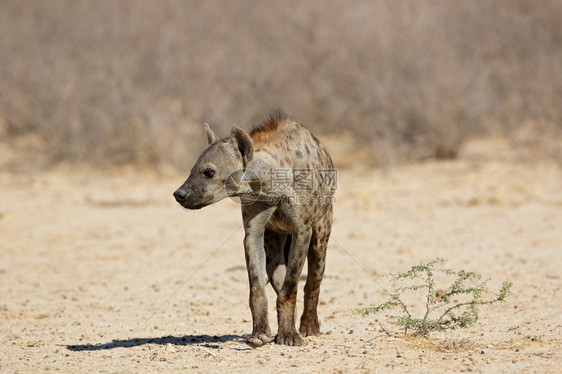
102,271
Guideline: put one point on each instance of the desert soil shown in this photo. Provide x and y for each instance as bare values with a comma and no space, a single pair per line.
102,271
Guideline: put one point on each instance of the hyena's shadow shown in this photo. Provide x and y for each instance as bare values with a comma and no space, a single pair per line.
205,340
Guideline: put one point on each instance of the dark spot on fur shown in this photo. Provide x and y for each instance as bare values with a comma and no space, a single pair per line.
298,153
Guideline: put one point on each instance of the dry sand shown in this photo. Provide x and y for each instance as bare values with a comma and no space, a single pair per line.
102,271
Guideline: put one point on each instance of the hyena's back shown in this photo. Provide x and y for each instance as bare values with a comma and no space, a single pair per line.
292,145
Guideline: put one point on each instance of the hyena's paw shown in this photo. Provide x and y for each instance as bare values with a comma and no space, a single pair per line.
257,340
292,339
309,326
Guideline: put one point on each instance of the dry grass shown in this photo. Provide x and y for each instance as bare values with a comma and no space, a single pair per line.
111,82
442,345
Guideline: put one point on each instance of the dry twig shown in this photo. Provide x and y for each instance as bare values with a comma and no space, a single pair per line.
217,355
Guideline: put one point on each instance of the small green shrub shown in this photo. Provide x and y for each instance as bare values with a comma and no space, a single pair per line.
445,308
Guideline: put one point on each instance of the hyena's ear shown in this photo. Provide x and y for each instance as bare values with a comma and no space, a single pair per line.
211,136
244,142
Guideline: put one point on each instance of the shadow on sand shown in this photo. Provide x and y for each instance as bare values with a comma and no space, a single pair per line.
175,340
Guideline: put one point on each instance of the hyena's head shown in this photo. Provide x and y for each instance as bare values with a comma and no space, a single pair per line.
222,159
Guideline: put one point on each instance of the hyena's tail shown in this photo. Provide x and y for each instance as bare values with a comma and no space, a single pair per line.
287,248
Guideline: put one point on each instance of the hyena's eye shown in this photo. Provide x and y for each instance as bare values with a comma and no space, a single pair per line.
209,173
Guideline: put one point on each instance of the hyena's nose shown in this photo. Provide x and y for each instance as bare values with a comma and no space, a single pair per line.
180,195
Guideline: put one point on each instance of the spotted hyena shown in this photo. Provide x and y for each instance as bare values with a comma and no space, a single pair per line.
284,178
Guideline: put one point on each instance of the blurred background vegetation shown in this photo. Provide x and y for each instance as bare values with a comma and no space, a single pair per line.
108,82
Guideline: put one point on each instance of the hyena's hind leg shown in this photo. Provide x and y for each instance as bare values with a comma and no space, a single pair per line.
316,265
276,250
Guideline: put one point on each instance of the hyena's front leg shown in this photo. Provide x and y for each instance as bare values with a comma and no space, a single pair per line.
255,218
287,297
